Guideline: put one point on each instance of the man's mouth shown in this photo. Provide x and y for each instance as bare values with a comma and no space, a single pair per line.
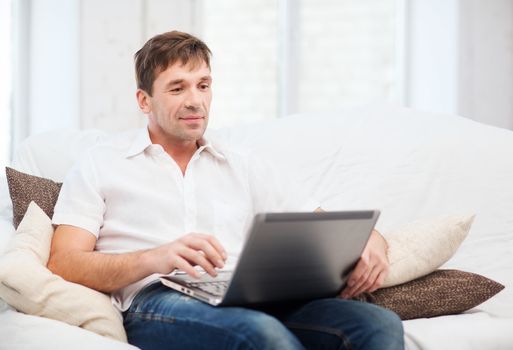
192,120
191,117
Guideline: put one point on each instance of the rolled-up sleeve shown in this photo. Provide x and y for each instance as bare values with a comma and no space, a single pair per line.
80,201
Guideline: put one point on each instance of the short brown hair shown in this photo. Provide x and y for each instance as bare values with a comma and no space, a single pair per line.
164,50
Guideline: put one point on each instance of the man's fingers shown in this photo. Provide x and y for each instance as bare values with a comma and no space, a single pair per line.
379,281
368,283
215,242
209,245
349,291
360,284
209,250
358,276
196,257
182,264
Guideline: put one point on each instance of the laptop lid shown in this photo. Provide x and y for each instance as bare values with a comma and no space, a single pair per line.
293,256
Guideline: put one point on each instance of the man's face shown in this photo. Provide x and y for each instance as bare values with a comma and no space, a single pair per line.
178,110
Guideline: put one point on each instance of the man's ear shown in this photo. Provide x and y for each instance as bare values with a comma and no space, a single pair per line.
143,99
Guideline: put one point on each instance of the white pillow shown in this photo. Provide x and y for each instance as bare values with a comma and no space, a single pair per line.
421,247
27,285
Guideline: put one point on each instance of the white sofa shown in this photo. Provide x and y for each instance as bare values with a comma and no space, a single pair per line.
409,164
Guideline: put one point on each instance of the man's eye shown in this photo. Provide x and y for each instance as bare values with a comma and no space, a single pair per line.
175,90
204,86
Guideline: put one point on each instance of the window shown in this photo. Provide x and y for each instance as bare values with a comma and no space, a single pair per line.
244,62
5,82
347,53
276,57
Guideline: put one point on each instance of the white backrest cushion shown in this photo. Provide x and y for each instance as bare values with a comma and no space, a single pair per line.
410,163
52,154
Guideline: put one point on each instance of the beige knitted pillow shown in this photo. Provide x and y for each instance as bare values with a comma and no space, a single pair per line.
27,285
421,247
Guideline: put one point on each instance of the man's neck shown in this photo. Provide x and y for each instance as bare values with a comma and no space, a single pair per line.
181,154
181,151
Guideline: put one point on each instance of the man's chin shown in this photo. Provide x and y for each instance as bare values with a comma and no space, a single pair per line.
196,131
194,135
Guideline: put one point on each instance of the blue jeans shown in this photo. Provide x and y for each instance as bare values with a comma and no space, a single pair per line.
160,318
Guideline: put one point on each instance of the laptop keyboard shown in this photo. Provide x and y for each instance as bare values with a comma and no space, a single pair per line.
217,288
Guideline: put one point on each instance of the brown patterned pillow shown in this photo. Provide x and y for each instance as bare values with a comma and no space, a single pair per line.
25,188
442,292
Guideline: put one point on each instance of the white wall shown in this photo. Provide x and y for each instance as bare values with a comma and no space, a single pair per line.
486,61
5,83
432,55
46,58
54,65
108,40
459,58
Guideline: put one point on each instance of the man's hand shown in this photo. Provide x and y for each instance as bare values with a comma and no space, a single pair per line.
371,269
193,249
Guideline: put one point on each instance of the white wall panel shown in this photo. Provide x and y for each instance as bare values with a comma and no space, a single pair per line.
110,35
459,58
53,64
166,15
432,55
486,61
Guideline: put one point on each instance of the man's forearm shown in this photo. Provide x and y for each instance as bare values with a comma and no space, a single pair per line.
101,271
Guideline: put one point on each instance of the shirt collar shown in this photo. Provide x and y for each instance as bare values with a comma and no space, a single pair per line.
142,141
206,145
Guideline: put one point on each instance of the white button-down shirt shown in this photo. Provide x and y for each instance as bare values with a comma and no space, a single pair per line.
132,195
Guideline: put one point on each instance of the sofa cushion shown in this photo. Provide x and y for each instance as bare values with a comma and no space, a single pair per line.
27,285
25,188
442,292
420,247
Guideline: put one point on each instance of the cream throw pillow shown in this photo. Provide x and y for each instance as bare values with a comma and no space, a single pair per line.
27,285
421,247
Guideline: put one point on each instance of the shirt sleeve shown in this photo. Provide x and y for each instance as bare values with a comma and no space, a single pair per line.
274,191
80,201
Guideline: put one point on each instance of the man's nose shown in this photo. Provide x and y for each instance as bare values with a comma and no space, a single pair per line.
193,99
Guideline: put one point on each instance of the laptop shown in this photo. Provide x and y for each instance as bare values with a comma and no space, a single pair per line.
286,257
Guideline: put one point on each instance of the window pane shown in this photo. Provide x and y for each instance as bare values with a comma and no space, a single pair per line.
243,38
341,52
347,53
5,81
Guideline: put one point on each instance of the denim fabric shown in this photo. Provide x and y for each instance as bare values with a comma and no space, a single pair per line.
160,318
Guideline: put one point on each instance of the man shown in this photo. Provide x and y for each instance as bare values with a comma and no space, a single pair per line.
165,198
